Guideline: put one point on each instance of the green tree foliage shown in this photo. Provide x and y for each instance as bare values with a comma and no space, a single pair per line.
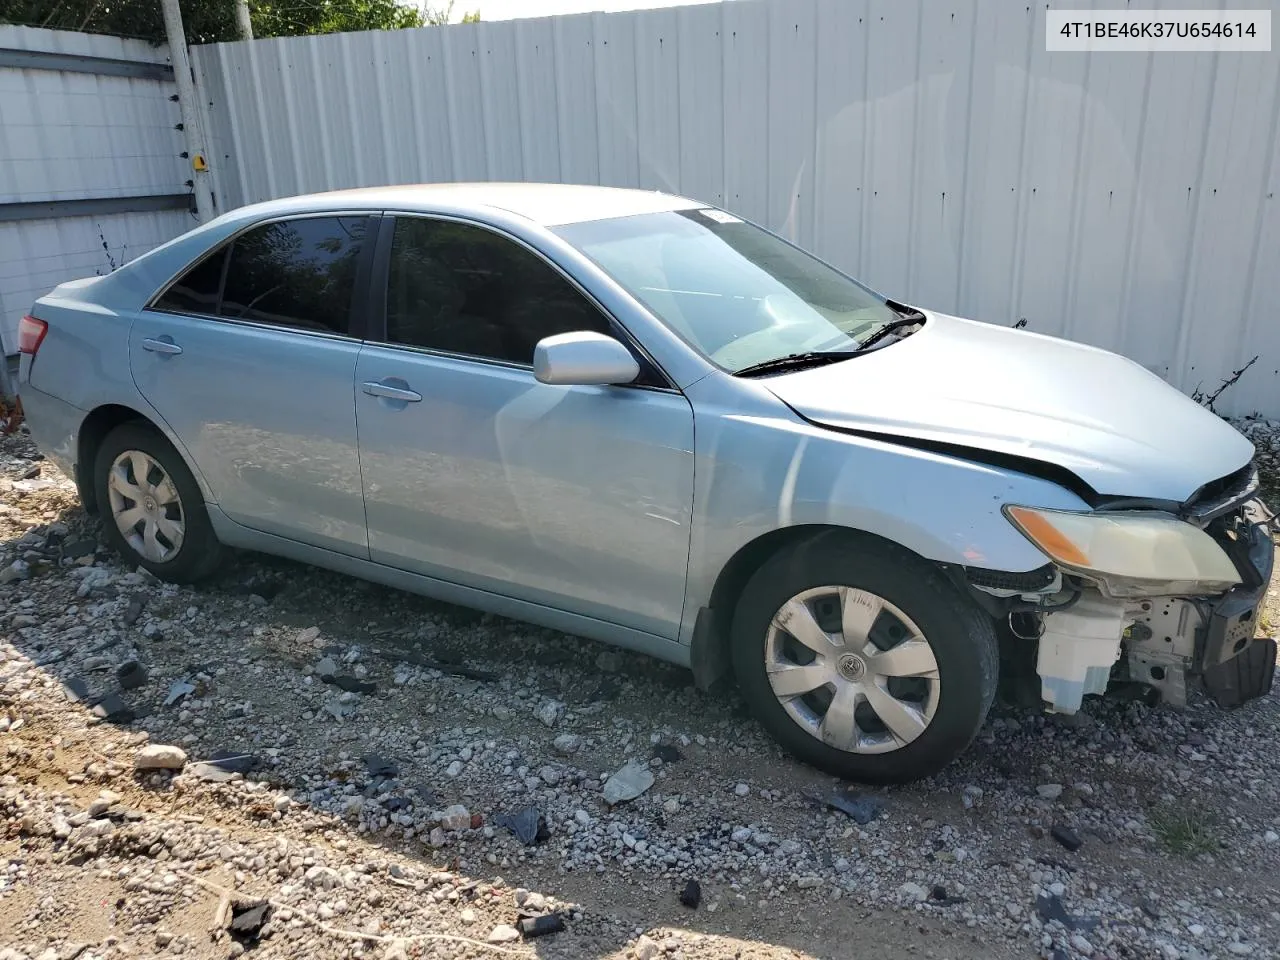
213,21
438,16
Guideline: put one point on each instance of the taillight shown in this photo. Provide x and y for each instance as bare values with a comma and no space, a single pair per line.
31,334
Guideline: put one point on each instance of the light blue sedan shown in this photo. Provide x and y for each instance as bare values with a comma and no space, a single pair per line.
638,418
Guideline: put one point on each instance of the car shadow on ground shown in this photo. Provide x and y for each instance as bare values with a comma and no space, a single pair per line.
292,596
247,634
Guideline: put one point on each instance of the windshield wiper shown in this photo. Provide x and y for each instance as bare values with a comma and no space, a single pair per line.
907,317
795,361
890,327
902,310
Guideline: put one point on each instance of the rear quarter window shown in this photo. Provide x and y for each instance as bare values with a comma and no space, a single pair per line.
197,290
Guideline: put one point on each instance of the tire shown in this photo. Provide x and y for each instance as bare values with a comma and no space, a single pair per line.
917,600
178,506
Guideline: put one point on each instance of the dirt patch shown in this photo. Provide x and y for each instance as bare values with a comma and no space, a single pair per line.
371,811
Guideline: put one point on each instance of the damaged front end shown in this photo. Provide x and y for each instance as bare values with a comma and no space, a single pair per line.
1166,598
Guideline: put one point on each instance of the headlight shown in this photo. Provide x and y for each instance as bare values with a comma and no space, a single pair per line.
1129,554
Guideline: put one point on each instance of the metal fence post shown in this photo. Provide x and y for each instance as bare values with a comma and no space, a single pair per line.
6,381
192,128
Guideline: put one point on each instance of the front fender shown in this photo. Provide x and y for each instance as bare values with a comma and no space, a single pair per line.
764,469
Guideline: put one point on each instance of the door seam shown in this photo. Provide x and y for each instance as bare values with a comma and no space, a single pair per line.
149,411
355,416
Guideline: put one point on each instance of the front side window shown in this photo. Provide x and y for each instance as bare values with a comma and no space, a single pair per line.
463,289
736,293
295,273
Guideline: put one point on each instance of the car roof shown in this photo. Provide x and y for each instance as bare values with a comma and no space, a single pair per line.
549,204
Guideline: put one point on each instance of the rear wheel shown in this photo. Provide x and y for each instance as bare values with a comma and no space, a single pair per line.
152,510
862,659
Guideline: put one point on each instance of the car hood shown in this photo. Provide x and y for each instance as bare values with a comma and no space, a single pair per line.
1107,420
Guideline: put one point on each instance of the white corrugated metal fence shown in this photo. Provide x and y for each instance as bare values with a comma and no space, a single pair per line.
91,172
932,148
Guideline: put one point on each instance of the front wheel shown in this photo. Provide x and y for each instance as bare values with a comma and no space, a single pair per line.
862,659
152,510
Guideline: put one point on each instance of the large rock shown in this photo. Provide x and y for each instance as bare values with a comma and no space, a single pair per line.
567,743
628,783
160,756
550,712
326,878
456,817
211,772
503,933
18,570
104,803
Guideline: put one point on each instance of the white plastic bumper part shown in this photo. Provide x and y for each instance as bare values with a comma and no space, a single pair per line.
1078,648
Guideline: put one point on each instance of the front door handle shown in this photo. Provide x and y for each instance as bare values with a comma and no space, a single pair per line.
163,345
375,389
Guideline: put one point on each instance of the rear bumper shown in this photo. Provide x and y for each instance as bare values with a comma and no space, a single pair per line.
54,425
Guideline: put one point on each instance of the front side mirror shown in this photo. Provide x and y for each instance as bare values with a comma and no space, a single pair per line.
583,358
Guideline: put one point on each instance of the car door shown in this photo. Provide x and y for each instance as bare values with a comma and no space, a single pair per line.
249,358
575,497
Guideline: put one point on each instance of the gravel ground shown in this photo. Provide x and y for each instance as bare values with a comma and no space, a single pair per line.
1265,435
389,737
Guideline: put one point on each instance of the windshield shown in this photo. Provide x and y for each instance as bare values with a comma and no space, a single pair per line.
733,291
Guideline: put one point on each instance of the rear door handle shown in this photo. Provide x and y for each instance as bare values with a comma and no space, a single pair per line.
375,389
161,345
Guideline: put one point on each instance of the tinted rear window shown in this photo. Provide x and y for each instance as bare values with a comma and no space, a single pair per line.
296,273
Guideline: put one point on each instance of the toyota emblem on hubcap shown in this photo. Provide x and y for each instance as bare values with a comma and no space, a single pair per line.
852,667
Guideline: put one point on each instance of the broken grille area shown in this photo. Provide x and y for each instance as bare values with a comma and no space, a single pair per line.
1223,495
1033,581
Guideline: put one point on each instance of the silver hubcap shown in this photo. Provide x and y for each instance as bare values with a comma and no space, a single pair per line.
145,506
852,669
